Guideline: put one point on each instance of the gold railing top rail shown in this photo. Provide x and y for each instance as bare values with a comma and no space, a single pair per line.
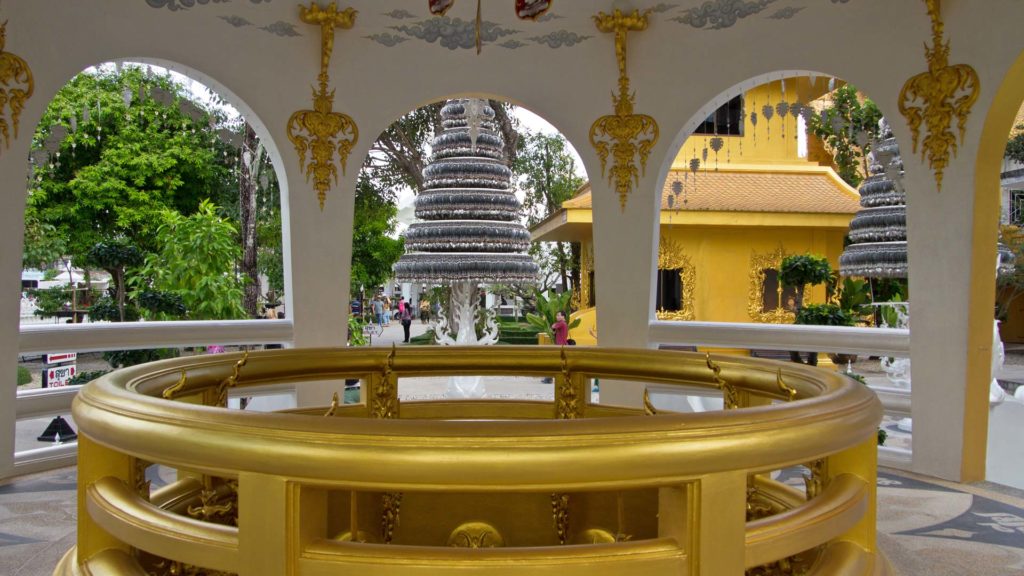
121,411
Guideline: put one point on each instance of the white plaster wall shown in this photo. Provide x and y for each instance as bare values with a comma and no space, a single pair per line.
676,70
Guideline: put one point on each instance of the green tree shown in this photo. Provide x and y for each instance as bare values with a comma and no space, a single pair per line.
847,126
115,150
548,176
195,259
374,250
1015,145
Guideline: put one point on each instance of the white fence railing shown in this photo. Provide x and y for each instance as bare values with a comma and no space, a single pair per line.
44,338
864,341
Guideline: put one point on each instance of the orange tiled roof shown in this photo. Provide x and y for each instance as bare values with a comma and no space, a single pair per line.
753,191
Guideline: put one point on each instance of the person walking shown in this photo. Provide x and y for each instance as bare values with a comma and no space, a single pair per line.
378,311
387,310
405,315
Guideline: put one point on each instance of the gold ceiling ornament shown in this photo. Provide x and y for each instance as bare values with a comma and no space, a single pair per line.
16,86
671,257
755,296
321,131
624,135
937,96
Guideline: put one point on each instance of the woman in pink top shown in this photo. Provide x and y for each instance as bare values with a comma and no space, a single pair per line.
560,329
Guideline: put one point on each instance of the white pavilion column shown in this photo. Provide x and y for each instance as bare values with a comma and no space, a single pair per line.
318,248
13,165
951,252
625,250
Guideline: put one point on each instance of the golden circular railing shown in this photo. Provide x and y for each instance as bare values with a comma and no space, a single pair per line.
510,487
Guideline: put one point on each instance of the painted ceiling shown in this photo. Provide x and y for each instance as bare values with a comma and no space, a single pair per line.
409,23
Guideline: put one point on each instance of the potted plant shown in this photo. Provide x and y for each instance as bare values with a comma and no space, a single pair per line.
798,271
825,315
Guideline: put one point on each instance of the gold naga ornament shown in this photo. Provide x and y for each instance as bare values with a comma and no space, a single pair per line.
322,131
936,96
624,135
16,86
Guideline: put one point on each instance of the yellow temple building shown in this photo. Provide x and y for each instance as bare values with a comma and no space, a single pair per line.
728,218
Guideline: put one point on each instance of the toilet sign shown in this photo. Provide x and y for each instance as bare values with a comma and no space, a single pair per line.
58,376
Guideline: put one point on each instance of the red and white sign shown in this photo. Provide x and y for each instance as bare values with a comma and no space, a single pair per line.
59,376
59,358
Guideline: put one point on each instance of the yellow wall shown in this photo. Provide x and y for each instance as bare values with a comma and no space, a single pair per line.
770,142
721,257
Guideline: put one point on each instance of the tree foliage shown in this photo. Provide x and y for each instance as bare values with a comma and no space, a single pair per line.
196,260
1015,146
374,250
548,177
847,126
399,155
125,159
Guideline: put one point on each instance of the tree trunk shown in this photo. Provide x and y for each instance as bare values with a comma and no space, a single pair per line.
563,273
247,215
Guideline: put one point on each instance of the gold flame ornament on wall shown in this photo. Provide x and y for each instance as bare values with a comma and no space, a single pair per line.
624,135
321,132
937,96
16,86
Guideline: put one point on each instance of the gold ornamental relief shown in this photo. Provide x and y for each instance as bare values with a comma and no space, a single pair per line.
934,98
624,136
586,266
755,296
672,257
320,133
16,87
476,535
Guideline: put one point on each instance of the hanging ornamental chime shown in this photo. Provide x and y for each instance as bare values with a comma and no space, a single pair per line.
525,9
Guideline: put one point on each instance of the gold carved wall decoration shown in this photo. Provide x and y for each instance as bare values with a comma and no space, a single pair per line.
560,515
671,257
170,391
333,407
730,397
384,400
230,381
649,409
321,132
586,266
138,478
568,396
935,97
16,87
817,478
788,390
392,506
755,297
624,135
476,535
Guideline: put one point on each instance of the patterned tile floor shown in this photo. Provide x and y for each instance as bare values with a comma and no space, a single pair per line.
926,527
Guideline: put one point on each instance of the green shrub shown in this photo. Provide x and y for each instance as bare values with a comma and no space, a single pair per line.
86,377
824,315
24,376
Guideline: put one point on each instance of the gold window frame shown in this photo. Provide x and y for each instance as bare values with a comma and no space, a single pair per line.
670,257
755,298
